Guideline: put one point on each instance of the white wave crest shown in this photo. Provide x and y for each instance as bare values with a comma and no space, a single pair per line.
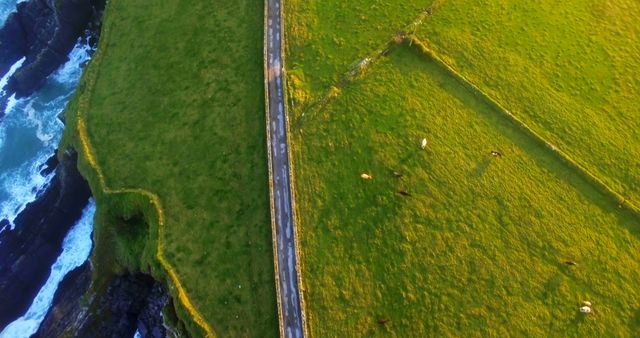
76,249
6,8
23,185
71,71
5,78
30,133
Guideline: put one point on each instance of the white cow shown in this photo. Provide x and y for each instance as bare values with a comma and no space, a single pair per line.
585,310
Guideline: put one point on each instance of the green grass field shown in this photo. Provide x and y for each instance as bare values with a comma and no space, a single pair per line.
177,109
569,70
325,37
478,249
175,106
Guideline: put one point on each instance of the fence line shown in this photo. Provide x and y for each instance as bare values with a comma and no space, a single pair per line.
565,157
359,68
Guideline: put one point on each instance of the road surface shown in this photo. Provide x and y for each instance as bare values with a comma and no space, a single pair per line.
290,309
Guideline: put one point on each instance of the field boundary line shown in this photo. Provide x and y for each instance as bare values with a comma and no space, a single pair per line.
92,72
359,68
432,55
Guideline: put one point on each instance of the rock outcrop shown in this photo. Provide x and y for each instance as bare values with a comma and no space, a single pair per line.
43,32
132,302
67,313
28,252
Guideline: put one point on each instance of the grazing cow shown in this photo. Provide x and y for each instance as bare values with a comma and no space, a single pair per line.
397,174
366,176
404,193
571,263
496,153
382,321
423,144
585,309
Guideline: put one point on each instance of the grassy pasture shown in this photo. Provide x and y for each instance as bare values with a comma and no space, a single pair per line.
569,70
325,37
477,249
177,109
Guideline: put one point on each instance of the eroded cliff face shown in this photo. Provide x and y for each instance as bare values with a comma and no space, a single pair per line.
67,314
130,303
28,251
43,32
86,303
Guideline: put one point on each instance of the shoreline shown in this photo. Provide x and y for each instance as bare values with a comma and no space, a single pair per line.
28,251
32,239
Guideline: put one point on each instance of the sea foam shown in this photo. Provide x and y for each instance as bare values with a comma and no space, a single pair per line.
76,246
6,7
30,133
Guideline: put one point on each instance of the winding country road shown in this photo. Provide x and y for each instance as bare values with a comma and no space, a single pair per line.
290,307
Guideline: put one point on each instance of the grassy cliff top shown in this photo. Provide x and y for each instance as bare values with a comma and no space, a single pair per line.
173,110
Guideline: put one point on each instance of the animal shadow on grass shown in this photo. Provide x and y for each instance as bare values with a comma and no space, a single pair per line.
635,323
580,318
480,168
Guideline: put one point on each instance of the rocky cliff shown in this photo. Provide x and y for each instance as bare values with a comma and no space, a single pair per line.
28,251
131,302
43,32
87,303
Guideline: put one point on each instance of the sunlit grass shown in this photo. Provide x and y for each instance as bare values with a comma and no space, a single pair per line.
478,248
569,70
178,110
325,37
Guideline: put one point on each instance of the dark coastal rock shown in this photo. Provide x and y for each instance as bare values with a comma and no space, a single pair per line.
50,165
122,304
132,301
28,251
44,32
4,224
150,321
67,312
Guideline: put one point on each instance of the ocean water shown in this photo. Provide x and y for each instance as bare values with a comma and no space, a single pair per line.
30,133
76,249
6,7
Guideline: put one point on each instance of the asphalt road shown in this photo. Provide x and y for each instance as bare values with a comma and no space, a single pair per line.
291,318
